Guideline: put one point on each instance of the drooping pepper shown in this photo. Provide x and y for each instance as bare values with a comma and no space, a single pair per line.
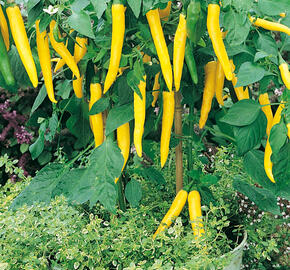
215,34
208,92
195,215
118,32
264,100
156,87
164,13
5,67
139,115
273,26
179,50
45,61
167,122
21,42
96,121
123,140
219,83
190,62
80,50
160,45
4,29
62,50
268,165
285,74
173,212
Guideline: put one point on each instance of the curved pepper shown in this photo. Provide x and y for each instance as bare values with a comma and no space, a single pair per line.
21,42
195,215
173,212
4,29
215,34
118,32
268,165
285,74
45,61
190,62
264,100
208,92
123,140
96,120
219,83
179,50
139,115
167,121
62,50
273,26
164,13
5,66
156,87
160,45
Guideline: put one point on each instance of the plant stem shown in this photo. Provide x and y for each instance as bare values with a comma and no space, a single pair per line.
178,149
189,142
121,197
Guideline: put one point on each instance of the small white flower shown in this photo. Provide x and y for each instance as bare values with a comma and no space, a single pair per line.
50,10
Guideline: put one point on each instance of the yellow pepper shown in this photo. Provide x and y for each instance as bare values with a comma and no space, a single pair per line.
156,87
264,100
4,29
219,83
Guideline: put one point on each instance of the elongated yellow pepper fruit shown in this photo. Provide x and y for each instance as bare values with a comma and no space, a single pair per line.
195,215
268,165
208,92
96,121
118,32
21,42
4,29
139,115
160,45
156,87
219,83
59,64
164,13
80,50
123,140
173,212
167,122
264,100
285,74
45,61
215,34
273,26
240,93
62,50
179,50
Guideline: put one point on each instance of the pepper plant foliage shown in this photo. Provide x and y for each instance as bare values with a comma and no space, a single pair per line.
88,175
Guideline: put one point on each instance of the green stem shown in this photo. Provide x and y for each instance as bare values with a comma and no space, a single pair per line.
121,197
189,142
220,133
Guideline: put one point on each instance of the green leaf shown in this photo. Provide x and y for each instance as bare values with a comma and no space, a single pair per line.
133,193
81,22
260,55
242,113
278,136
209,180
78,5
270,7
233,21
206,196
52,125
39,99
31,4
100,105
263,198
247,137
118,116
41,187
244,5
268,44
37,147
151,174
100,7
254,165
63,88
135,5
249,73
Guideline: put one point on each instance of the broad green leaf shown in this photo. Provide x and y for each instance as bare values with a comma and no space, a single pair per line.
263,198
81,22
151,174
254,165
260,55
31,4
209,179
268,44
100,6
206,196
52,125
100,105
244,5
78,5
135,5
249,73
39,99
233,21
278,136
118,116
133,192
242,113
41,187
37,147
247,137
63,88
270,7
